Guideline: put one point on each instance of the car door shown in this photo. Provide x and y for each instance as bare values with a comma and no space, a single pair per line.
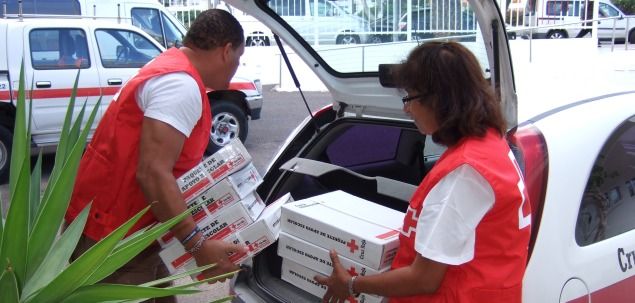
605,28
121,53
56,55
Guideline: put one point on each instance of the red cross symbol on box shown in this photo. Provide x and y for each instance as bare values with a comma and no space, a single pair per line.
351,271
352,246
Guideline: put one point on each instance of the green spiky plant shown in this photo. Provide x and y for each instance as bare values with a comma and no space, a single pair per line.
34,256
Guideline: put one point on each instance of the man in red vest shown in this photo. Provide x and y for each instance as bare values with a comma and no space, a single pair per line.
466,232
156,128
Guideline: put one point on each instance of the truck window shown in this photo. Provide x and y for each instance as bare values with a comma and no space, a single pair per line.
48,7
608,11
149,21
124,49
157,25
58,49
173,36
564,8
608,203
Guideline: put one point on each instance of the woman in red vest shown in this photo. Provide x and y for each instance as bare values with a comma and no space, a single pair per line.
157,128
466,231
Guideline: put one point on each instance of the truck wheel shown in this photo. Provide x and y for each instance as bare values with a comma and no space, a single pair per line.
557,34
347,39
257,40
228,122
6,141
631,37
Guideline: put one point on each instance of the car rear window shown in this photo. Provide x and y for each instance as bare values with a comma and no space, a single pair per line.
354,38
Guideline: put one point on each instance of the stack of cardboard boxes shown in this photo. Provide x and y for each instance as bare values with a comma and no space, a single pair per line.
364,234
220,194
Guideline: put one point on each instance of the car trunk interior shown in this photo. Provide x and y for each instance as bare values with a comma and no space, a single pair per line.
372,148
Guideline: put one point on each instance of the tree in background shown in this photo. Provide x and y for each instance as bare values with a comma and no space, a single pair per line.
627,6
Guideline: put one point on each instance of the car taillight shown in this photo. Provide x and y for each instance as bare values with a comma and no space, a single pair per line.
530,148
242,86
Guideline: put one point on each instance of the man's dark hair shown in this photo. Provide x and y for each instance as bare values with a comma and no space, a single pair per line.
214,28
451,82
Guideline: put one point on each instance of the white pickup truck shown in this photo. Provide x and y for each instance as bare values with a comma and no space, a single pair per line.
107,54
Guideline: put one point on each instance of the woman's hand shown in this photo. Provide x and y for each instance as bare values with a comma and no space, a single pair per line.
337,283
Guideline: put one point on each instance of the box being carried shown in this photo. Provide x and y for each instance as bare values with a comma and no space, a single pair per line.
261,233
302,277
233,217
257,236
230,190
229,159
357,229
317,258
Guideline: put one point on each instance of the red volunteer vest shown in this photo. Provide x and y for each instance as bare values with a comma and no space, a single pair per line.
496,272
107,170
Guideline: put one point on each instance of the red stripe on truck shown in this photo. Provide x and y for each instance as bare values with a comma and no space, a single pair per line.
66,92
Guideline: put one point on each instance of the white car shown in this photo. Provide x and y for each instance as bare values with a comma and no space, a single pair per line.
577,159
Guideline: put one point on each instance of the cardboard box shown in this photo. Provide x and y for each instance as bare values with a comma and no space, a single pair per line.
317,258
198,214
229,159
257,236
357,229
194,182
237,216
238,186
261,233
302,277
233,217
245,181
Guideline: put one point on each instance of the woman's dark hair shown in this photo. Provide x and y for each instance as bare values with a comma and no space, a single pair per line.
450,79
214,28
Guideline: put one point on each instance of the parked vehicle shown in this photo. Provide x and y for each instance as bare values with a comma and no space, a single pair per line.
316,21
568,12
583,237
232,108
107,54
426,23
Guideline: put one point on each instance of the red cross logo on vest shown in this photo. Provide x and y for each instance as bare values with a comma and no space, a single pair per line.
410,223
352,246
351,271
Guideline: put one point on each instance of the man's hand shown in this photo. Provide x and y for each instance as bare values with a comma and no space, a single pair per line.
337,283
217,251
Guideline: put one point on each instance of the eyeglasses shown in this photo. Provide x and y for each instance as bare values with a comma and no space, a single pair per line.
407,99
